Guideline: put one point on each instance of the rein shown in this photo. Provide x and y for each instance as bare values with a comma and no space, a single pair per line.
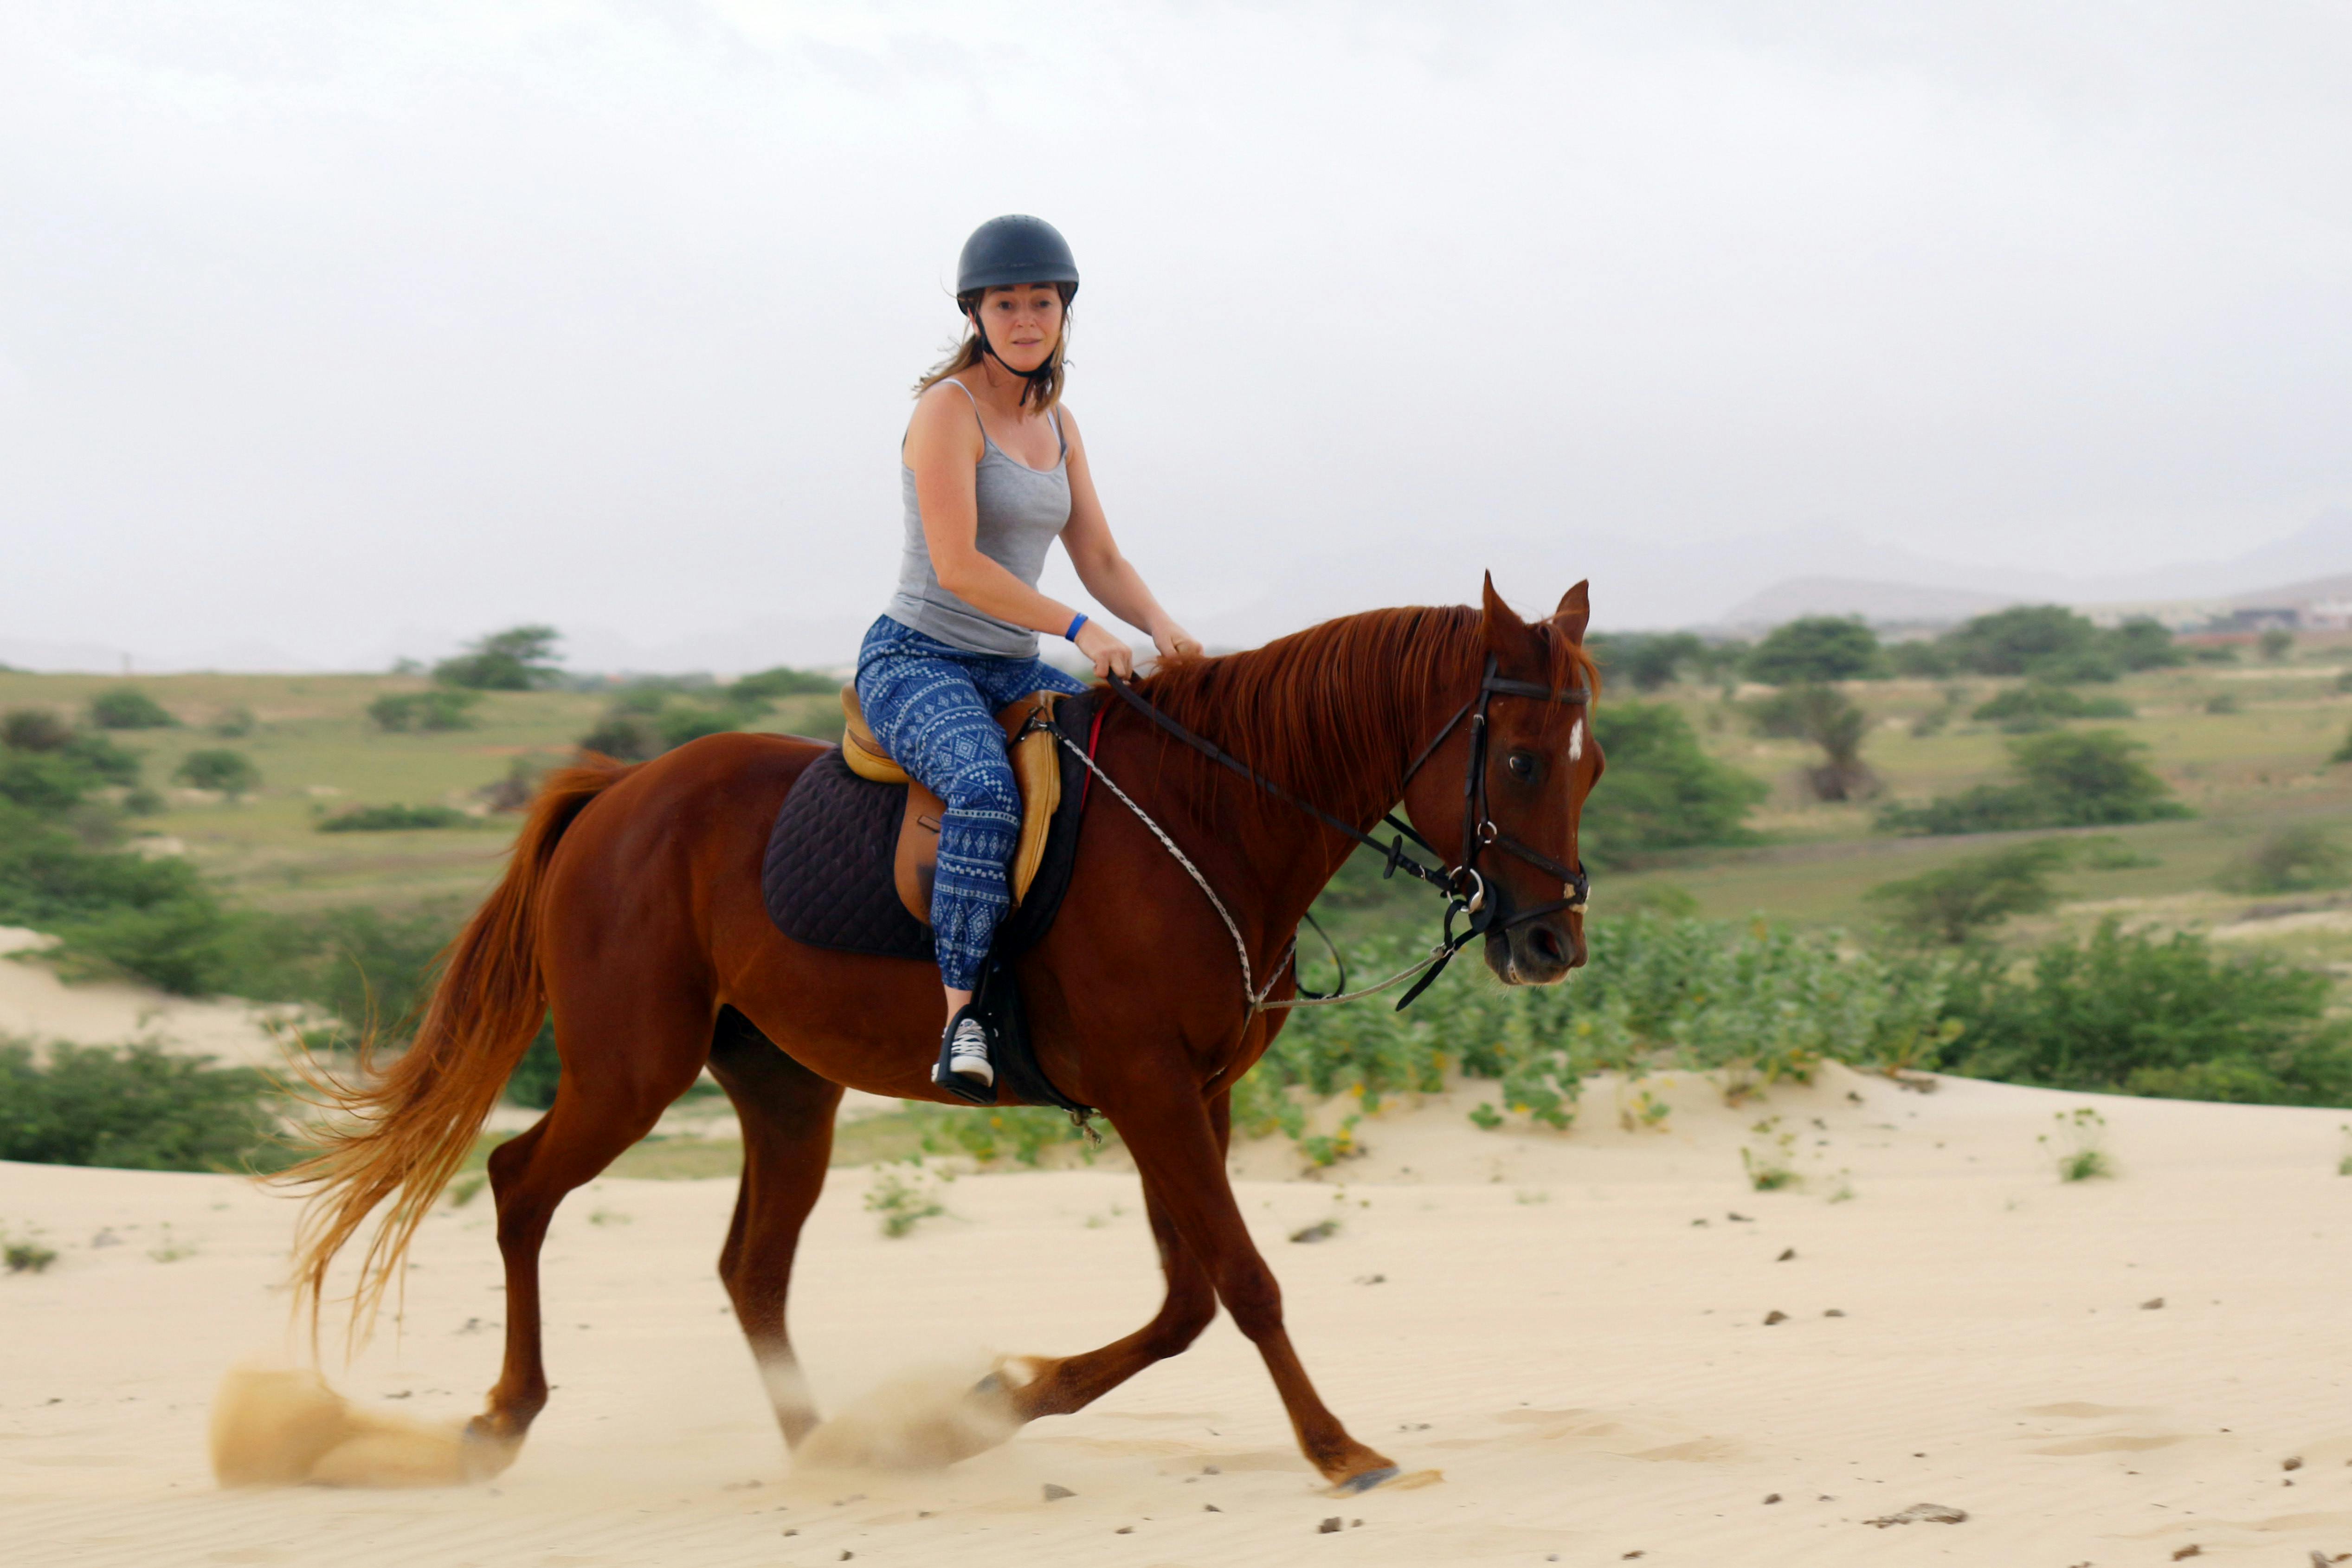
1462,886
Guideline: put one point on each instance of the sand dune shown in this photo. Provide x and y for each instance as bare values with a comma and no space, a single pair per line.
1572,1329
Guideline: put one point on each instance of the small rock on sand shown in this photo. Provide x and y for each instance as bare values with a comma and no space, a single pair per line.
1786,1255
1771,1496
1922,1513
1328,1527
1055,1494
1321,1230
2153,1304
2295,1463
1775,1316
2193,1550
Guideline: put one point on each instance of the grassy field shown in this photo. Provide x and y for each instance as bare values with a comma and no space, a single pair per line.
2246,772
318,753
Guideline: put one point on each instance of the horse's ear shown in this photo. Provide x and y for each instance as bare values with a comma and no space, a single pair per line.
1575,612
1506,633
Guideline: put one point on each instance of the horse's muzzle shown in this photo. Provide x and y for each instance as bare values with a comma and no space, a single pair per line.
1536,953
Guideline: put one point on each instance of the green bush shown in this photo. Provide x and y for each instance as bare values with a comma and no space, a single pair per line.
2276,644
2134,1012
396,819
2292,860
1816,649
128,708
234,722
2066,779
625,738
2038,705
1663,790
35,730
218,768
2047,641
1953,903
135,1109
444,709
1830,720
680,725
532,1082
1647,660
521,659
1921,658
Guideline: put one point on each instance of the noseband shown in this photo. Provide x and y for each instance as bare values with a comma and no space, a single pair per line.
1466,891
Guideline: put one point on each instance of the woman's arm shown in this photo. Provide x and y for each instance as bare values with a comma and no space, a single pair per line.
1109,575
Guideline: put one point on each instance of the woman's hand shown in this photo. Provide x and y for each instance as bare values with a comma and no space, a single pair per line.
1111,654
1174,642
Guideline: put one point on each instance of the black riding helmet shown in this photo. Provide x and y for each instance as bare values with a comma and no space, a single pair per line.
1009,250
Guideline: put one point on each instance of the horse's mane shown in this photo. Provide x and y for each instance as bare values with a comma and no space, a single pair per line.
1335,713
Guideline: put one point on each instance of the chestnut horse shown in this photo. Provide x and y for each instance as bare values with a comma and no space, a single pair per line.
632,909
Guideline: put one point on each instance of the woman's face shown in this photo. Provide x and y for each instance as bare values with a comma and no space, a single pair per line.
1023,323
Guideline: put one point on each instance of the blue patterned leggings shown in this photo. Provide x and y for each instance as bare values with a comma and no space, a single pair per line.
933,707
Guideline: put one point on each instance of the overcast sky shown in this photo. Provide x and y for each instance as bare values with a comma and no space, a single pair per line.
351,326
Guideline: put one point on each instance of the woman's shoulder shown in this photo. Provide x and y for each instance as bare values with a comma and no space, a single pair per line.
944,411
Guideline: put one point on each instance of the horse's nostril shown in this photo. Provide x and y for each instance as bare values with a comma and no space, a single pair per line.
1548,945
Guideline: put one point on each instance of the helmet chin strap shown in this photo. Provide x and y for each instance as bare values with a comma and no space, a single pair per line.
1036,378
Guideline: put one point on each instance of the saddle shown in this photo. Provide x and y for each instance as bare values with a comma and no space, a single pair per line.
914,858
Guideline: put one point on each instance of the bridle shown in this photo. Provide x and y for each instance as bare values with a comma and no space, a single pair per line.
1464,889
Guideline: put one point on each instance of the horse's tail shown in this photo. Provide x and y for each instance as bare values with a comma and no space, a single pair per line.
400,1135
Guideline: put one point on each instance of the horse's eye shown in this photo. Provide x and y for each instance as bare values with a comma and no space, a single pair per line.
1522,764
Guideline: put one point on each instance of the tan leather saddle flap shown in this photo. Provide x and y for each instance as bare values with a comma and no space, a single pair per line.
914,863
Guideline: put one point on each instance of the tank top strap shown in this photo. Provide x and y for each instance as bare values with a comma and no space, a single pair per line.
1055,416
986,439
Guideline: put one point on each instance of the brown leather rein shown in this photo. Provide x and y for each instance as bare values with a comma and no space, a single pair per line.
1465,891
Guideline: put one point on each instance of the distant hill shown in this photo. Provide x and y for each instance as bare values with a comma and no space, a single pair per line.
1880,604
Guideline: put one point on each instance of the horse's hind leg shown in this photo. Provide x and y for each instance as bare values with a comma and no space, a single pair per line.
786,1112
628,1052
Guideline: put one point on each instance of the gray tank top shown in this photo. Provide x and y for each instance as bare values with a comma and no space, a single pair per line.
1021,511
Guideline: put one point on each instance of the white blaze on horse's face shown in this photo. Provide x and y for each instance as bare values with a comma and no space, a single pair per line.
1576,740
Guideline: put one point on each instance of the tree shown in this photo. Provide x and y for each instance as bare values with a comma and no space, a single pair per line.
2093,778
521,659
2039,705
2143,644
1663,790
2046,640
2276,643
1832,721
1648,659
765,686
128,708
218,767
1921,657
1953,903
2292,860
1815,649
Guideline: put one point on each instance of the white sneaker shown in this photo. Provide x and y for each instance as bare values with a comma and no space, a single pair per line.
968,1054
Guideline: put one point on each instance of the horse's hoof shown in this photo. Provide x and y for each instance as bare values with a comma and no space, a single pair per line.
1365,1482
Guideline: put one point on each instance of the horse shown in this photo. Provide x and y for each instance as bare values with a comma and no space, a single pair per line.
631,910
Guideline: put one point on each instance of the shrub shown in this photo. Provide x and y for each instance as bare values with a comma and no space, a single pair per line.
233,722
2143,644
2139,1013
2292,860
135,1109
449,708
218,767
521,659
517,790
2276,644
2038,705
1663,790
2343,754
532,1082
680,725
2214,653
128,708
1815,649
2067,779
396,819
35,730
1956,902
625,738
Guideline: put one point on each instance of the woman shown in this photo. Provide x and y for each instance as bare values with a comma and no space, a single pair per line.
994,470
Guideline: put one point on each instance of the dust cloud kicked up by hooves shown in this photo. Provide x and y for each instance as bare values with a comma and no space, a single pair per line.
285,1427
922,1419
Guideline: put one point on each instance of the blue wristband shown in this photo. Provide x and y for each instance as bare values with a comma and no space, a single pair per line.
1075,622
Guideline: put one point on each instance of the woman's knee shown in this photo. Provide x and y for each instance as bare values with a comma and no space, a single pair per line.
984,788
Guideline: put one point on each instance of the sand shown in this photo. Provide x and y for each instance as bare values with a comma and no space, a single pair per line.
38,1007
1572,1329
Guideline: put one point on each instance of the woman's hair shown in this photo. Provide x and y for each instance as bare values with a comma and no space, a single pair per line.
1043,391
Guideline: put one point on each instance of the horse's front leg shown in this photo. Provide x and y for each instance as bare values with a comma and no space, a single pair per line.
1057,1387
1179,1149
